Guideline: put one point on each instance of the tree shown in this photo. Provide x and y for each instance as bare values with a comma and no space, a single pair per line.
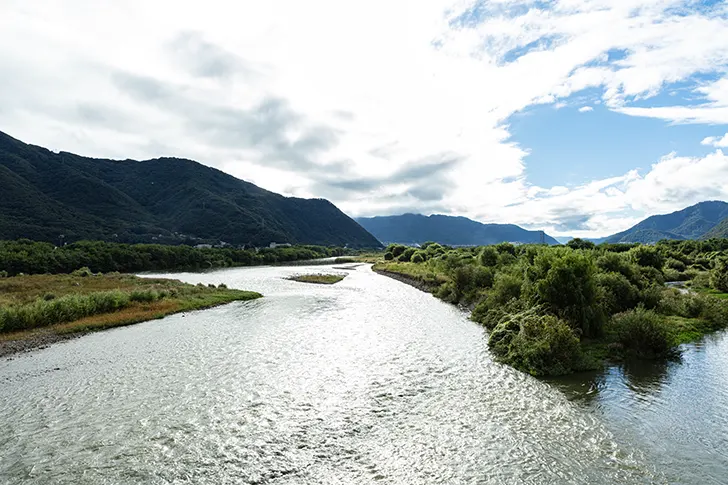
578,243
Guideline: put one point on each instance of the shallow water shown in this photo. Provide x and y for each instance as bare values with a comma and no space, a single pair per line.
365,381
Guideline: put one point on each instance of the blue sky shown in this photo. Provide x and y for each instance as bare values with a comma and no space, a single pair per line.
579,117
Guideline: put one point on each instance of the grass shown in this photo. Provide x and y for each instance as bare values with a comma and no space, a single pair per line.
66,304
712,292
418,272
321,279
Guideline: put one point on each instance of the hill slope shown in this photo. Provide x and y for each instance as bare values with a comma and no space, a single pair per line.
690,223
718,231
47,194
454,231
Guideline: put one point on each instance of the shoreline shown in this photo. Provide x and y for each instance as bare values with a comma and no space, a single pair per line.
12,344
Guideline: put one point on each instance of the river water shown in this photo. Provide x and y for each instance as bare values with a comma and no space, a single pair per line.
366,381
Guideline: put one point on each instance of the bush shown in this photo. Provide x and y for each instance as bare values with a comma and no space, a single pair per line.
419,257
675,264
538,344
647,256
143,296
3,274
488,256
388,256
82,272
406,255
719,275
569,290
643,333
618,294
396,249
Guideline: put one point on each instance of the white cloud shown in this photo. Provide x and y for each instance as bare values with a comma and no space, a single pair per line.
716,141
585,109
342,100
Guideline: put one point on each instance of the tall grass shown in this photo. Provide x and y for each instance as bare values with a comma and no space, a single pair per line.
42,312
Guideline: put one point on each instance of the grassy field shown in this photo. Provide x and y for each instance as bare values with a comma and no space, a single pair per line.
321,279
67,304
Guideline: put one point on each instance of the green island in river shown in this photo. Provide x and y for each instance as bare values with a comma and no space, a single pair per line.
320,279
559,310
36,310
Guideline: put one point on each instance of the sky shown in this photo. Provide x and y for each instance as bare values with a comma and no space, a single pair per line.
576,117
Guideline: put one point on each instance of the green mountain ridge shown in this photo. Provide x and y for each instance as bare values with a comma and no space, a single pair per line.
450,230
47,194
694,222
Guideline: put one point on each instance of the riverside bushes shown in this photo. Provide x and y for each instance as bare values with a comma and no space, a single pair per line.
544,305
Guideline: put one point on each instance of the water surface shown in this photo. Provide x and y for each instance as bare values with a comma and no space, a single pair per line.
365,381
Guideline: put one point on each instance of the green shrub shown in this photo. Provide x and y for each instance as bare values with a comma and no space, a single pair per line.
3,274
675,264
419,257
647,256
719,275
406,255
82,272
569,290
618,294
488,256
538,344
642,332
143,296
388,256
396,249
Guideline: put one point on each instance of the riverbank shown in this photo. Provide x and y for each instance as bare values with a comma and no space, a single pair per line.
38,310
557,311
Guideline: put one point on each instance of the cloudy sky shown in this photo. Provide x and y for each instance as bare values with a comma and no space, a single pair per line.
577,117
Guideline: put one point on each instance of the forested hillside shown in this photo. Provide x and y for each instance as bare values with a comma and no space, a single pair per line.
46,195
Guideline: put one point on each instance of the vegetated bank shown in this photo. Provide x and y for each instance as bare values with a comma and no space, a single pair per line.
36,310
558,310
29,257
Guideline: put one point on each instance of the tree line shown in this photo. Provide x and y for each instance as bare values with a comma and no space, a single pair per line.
31,257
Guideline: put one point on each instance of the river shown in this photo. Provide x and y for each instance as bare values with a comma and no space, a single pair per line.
366,381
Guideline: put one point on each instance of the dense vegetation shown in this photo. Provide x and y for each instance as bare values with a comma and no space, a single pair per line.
695,222
85,301
30,257
52,196
556,310
455,231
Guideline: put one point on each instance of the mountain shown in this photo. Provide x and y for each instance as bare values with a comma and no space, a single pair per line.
719,231
454,231
691,223
46,195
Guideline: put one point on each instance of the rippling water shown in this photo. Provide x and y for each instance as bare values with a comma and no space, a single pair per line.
366,381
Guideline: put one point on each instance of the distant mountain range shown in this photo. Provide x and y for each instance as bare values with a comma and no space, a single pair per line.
703,220
46,195
454,231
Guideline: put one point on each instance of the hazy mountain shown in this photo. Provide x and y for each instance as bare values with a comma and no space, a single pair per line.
691,223
454,231
46,194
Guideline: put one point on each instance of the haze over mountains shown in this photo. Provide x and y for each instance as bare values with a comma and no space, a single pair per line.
454,231
46,195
